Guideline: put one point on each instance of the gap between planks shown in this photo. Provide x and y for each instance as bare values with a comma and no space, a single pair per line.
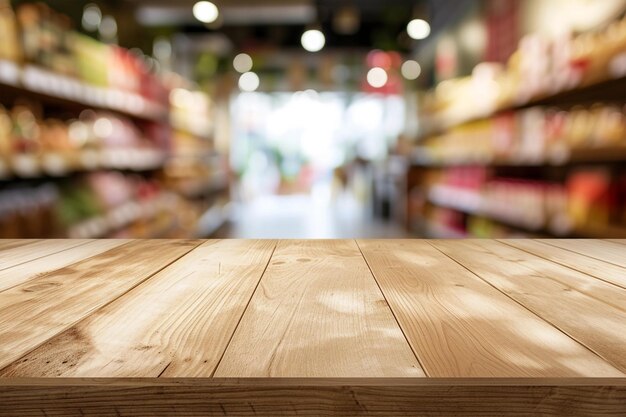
63,245
572,333
393,313
230,339
589,271
62,329
194,271
515,301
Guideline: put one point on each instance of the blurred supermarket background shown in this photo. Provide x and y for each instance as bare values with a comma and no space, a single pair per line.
312,118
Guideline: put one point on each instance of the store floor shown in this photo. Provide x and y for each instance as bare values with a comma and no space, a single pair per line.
305,217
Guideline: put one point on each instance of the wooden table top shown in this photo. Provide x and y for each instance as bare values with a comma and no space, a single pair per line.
402,311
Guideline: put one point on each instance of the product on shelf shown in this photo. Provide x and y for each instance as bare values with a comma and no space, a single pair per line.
92,155
191,112
101,204
29,212
31,146
63,62
10,45
592,198
46,37
589,198
535,135
194,169
539,68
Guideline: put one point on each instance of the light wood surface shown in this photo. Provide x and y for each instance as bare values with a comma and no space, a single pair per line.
163,327
591,266
572,306
16,255
459,325
112,397
318,313
33,312
6,244
608,251
10,277
233,327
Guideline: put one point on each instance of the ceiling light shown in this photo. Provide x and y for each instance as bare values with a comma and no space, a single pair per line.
418,29
205,11
249,82
377,77
313,40
92,17
108,28
411,70
242,63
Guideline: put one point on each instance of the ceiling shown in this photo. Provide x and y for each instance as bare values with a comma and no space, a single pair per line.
251,24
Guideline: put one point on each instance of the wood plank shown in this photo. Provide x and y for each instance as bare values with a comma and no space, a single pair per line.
37,310
112,397
603,250
21,273
459,326
179,321
591,266
620,241
34,250
550,291
6,244
318,313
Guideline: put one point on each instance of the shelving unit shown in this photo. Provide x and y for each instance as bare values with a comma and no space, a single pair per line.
608,89
44,85
74,178
540,141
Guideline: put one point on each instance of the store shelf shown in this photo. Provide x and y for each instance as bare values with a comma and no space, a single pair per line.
601,231
201,188
55,164
556,158
201,133
48,86
612,89
472,203
121,217
438,231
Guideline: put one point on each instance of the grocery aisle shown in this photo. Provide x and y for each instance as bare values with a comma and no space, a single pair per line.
450,118
301,216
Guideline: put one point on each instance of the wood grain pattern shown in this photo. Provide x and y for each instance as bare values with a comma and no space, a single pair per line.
6,244
160,328
459,326
611,252
318,313
313,397
17,255
179,321
37,310
21,273
551,292
591,266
